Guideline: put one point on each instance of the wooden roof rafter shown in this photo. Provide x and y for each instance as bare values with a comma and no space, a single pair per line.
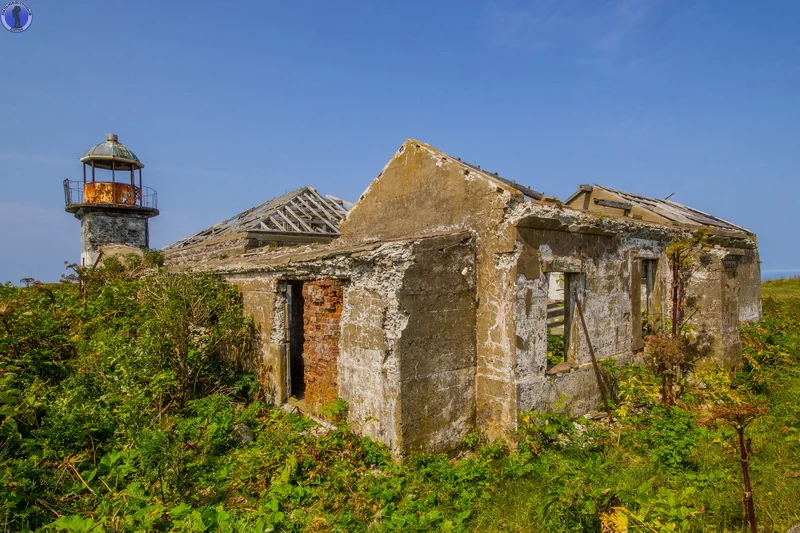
303,211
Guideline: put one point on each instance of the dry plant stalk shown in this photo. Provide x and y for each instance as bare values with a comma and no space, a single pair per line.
740,416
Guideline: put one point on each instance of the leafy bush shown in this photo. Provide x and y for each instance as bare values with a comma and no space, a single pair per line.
100,363
118,409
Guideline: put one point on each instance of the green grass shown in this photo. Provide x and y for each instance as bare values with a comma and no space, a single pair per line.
100,432
690,479
781,289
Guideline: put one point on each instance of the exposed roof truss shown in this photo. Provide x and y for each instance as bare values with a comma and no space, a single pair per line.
302,212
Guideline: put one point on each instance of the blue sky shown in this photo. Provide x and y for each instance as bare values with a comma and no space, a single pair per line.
231,103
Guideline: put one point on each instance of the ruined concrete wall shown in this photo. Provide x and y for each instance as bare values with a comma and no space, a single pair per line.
608,282
437,349
443,332
265,304
713,299
730,340
368,369
608,253
738,272
749,275
399,301
231,246
107,227
422,191
365,373
322,310
530,319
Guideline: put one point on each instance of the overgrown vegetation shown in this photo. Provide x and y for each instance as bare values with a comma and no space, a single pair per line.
667,346
672,468
123,411
556,349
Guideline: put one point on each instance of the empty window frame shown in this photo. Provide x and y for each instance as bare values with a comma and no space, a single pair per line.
648,271
561,291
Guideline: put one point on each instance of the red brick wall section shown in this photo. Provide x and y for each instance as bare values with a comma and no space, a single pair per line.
322,310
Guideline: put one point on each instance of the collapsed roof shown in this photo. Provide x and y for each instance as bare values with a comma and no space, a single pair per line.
663,209
300,212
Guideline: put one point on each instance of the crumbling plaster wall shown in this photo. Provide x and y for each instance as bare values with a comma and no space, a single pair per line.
605,255
749,274
716,294
423,191
371,322
609,281
437,350
406,351
608,252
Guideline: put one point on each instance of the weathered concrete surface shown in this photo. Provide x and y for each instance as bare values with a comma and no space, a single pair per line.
608,252
386,323
423,191
606,272
748,272
110,226
230,246
437,348
265,305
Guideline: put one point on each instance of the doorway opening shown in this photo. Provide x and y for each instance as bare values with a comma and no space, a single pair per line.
297,382
314,310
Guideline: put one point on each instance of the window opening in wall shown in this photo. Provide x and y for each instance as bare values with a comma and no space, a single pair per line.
648,271
294,297
556,340
561,290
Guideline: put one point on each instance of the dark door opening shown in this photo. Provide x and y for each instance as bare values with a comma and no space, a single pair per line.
294,297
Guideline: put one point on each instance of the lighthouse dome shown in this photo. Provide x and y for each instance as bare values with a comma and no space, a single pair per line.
112,155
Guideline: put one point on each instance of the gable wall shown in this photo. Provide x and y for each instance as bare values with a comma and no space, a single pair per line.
423,191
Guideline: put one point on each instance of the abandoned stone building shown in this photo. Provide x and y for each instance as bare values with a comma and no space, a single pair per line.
425,305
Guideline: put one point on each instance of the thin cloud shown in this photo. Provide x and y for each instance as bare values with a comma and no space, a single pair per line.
576,28
627,17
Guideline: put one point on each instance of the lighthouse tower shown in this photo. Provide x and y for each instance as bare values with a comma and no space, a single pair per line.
111,202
